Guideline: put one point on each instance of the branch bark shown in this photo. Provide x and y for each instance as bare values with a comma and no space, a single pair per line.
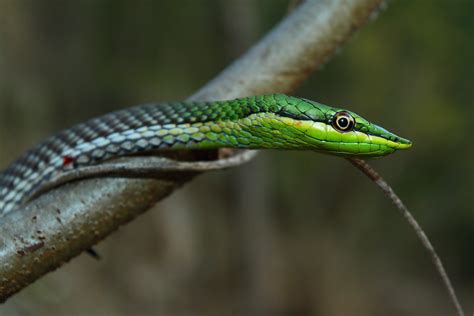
63,222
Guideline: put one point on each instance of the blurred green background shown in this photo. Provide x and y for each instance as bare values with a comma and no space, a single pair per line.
291,233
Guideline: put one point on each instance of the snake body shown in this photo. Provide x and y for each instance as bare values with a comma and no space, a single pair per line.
271,121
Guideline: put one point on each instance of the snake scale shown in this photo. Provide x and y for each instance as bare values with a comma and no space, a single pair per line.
273,121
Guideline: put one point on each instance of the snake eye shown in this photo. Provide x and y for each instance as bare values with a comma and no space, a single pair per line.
343,121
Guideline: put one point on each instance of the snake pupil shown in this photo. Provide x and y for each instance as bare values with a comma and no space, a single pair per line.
343,122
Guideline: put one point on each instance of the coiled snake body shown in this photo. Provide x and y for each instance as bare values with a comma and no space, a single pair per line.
271,121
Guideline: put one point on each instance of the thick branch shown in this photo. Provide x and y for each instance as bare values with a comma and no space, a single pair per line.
64,222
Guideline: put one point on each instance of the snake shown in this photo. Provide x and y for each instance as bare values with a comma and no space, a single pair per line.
274,121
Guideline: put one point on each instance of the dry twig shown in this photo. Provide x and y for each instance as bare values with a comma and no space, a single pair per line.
387,189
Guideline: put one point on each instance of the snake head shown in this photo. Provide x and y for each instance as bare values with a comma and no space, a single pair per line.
337,131
359,137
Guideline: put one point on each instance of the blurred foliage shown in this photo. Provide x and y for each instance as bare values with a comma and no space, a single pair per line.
292,233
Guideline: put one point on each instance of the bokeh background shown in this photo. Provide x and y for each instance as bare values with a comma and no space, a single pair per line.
291,233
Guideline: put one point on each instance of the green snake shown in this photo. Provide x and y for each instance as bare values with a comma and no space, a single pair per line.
274,121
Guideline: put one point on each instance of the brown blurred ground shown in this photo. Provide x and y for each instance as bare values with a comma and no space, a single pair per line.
291,233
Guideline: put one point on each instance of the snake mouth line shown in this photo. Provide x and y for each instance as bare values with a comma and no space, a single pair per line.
401,143
378,151
405,145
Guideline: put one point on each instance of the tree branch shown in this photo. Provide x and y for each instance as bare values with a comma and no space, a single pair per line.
62,223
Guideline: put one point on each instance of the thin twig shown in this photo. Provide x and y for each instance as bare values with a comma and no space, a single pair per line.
151,167
385,187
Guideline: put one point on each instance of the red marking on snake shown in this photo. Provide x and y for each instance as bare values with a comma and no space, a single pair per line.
67,160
